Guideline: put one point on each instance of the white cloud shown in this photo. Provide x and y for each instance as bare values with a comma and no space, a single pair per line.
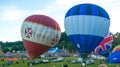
11,15
111,6
57,10
10,33
2,38
115,22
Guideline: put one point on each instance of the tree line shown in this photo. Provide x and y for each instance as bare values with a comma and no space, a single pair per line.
63,43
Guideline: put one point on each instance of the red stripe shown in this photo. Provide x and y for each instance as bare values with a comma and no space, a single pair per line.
34,49
105,41
116,49
44,20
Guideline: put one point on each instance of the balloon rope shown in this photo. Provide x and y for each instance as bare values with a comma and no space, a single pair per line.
30,63
84,61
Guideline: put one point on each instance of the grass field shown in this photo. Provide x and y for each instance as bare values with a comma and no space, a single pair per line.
52,64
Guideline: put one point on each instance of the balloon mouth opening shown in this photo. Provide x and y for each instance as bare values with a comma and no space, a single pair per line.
34,49
84,54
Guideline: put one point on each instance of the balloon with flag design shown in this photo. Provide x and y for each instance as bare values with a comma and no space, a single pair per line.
39,33
86,26
104,48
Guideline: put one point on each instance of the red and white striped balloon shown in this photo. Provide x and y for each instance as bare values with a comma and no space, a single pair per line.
39,33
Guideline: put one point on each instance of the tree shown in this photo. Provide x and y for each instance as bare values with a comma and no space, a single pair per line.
62,43
21,48
6,50
63,40
15,48
116,40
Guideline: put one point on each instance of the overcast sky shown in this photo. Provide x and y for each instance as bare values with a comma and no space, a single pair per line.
13,13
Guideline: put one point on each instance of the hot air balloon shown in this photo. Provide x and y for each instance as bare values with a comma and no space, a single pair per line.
114,57
104,48
39,33
86,26
117,48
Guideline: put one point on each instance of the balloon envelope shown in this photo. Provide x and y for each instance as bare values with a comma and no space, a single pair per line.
117,48
104,48
86,25
114,57
39,33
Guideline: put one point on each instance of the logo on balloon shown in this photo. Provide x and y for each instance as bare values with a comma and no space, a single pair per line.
56,38
78,45
28,32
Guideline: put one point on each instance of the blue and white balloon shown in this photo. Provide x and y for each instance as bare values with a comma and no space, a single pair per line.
86,25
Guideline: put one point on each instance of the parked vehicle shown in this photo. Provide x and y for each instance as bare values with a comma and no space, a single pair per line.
78,60
58,59
89,62
45,61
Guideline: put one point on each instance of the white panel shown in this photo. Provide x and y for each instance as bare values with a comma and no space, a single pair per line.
86,24
40,34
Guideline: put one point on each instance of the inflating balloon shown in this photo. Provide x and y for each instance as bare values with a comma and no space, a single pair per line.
114,57
39,33
86,25
104,48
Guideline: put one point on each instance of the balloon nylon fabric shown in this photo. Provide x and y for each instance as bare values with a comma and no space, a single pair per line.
117,48
35,49
86,25
87,9
39,34
104,48
114,57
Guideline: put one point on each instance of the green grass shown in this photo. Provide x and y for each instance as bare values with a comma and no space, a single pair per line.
52,64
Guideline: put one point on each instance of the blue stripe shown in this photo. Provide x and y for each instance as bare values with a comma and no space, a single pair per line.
67,14
94,10
77,10
104,13
75,39
86,9
83,9
96,42
72,40
82,40
72,11
90,41
89,10
86,45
